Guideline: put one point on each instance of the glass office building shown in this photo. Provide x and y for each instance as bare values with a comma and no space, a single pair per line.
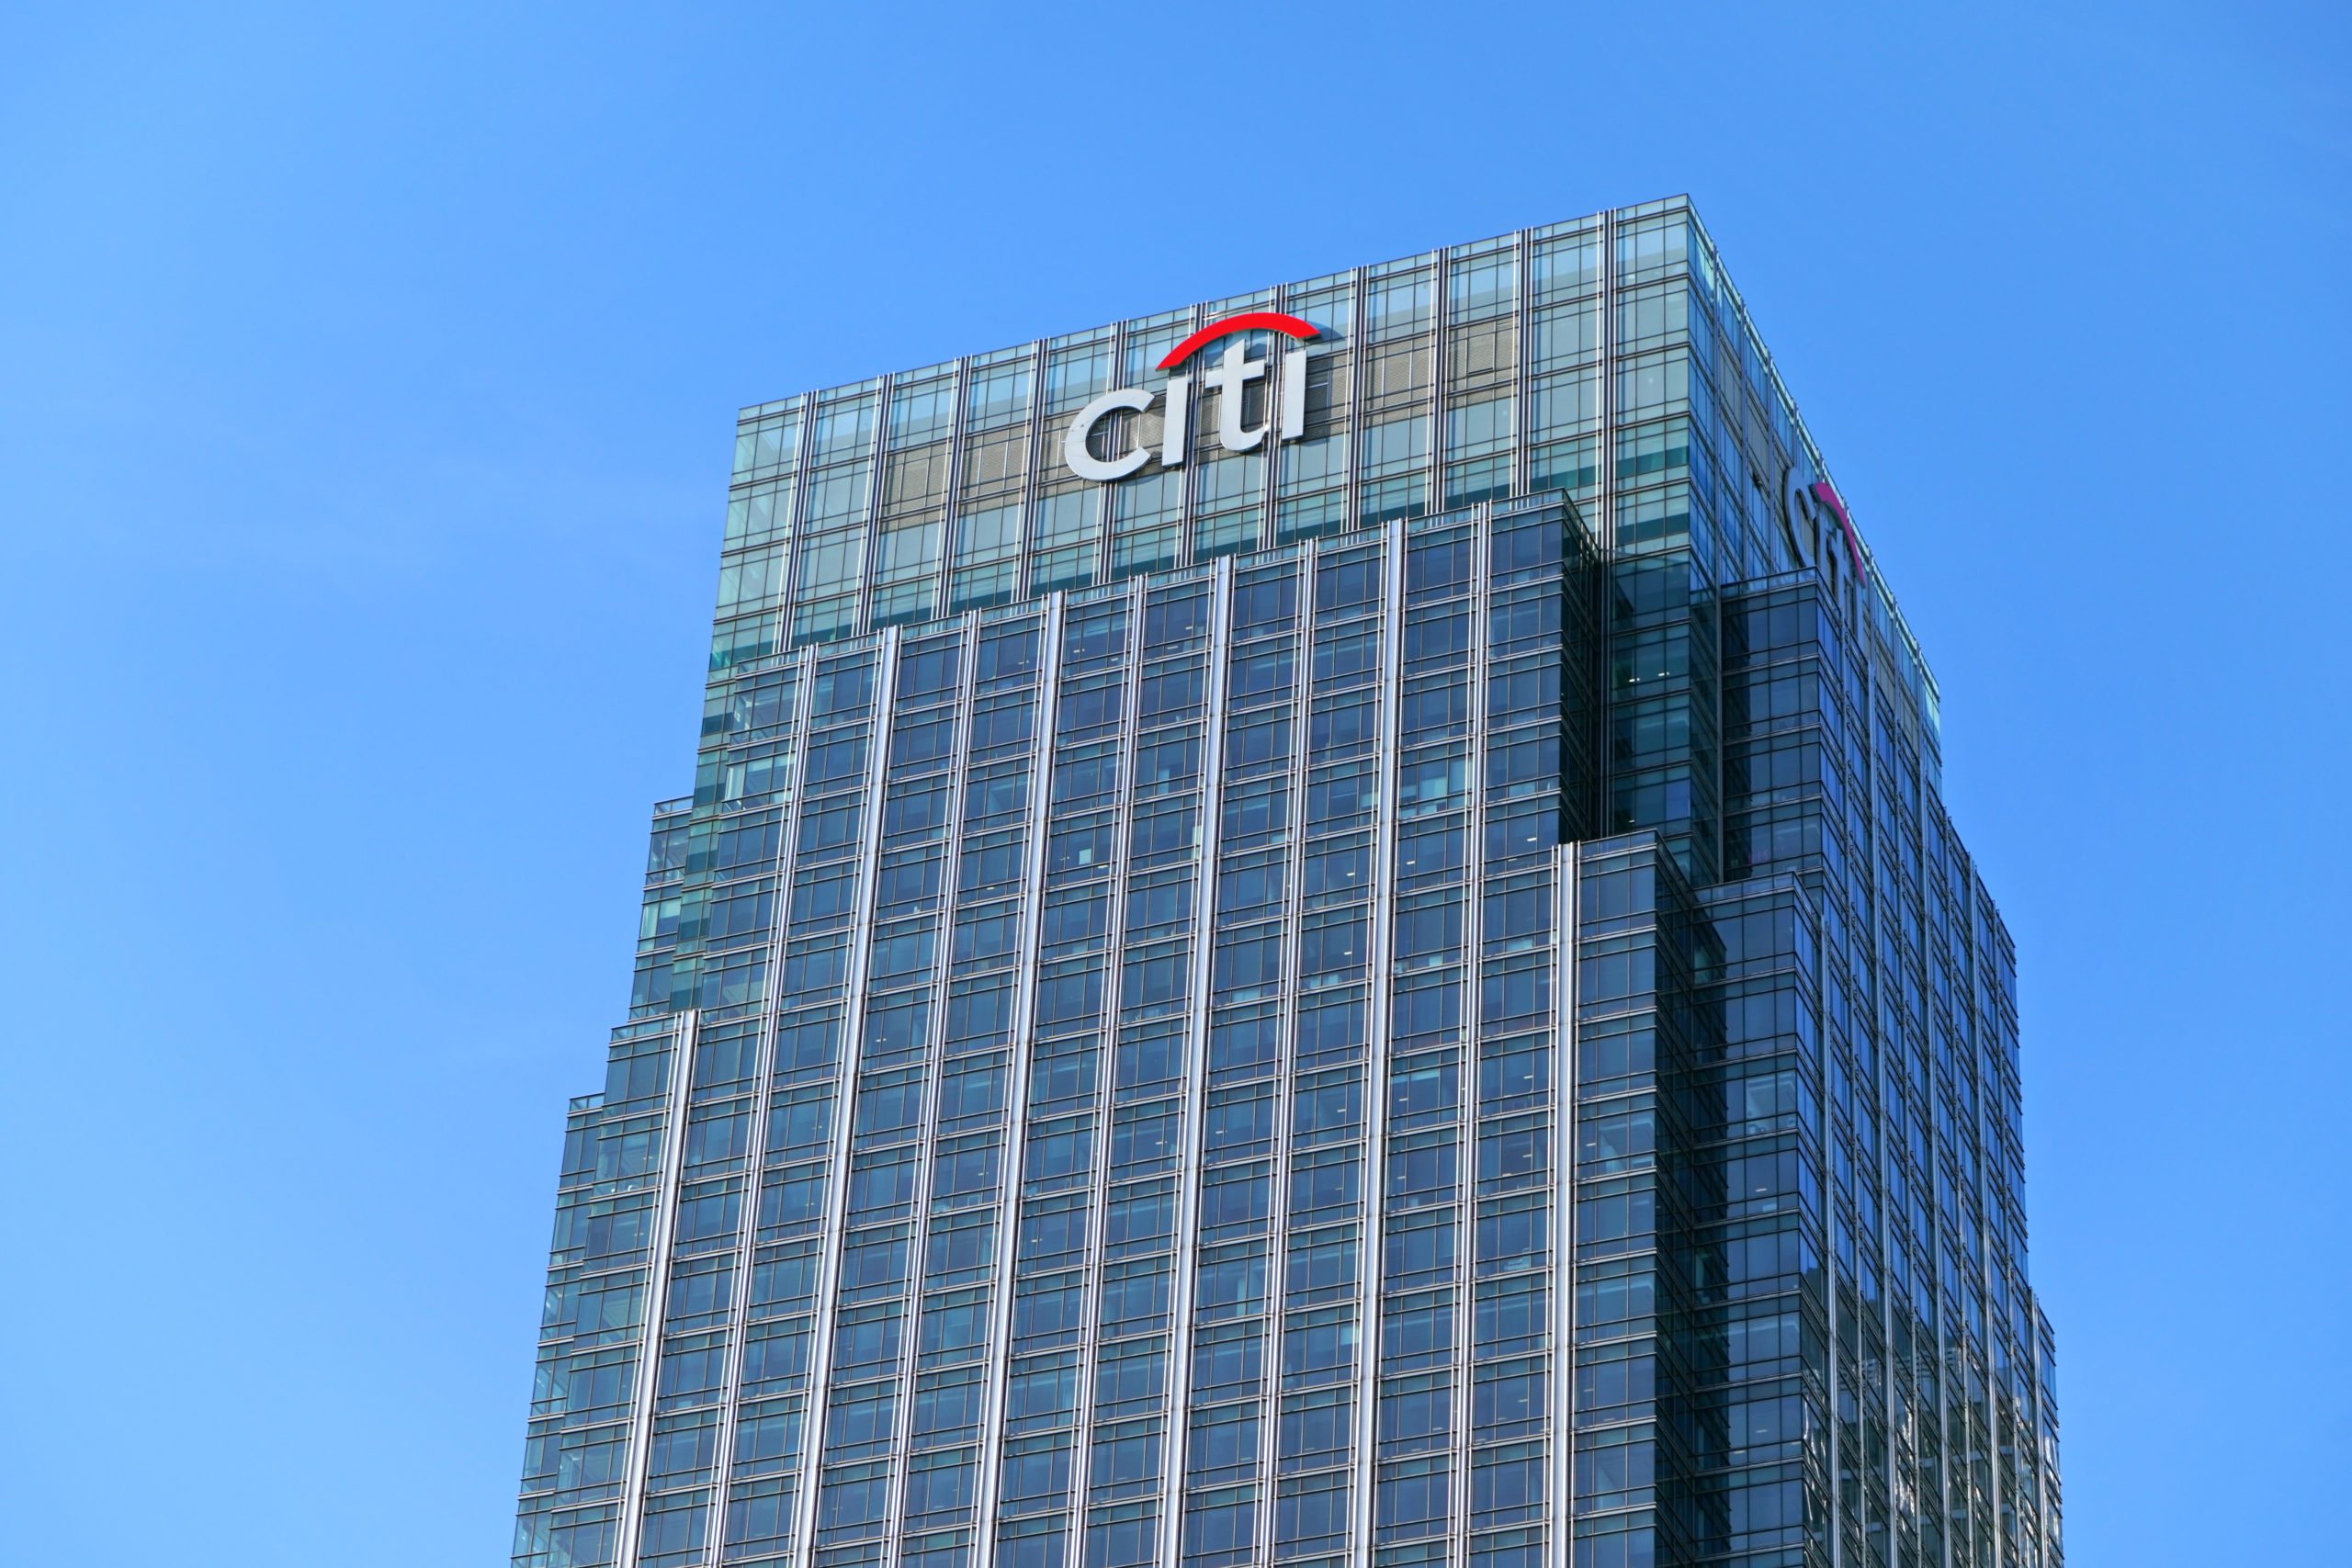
1316,929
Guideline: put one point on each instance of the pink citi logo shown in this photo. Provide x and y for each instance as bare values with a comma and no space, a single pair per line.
1229,378
1801,508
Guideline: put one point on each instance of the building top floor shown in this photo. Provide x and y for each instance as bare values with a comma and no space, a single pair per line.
1608,356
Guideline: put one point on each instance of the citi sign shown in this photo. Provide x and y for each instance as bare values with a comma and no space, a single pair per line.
1229,378
1801,509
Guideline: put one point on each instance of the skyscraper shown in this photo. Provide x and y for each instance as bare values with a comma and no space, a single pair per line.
1311,929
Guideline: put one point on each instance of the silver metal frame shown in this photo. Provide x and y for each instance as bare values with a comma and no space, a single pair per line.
657,1291
1558,1501
746,1244
821,1353
1383,898
1017,1093
935,1060
1286,1075
1188,1178
1098,1184
1473,874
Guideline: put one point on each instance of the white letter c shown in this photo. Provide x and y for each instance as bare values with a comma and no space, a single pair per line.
1085,464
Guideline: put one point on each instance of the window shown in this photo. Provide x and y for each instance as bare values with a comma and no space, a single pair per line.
1316,1428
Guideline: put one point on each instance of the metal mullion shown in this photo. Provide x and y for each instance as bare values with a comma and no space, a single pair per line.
1185,529
657,1289
1473,858
1383,896
1832,1305
1277,363
1187,1240
1286,1074
1949,1471
1985,1208
880,458
1098,1183
1017,1093
1272,530
1440,365
746,1243
845,1105
958,439
1031,477
1602,525
1352,492
795,520
1105,514
2044,1482
1558,1418
1829,1295
1442,324
1991,1147
894,1504
1886,1155
1523,461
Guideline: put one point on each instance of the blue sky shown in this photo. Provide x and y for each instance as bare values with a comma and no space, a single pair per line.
366,395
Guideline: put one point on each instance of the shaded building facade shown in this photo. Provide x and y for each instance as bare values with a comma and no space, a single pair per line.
1313,930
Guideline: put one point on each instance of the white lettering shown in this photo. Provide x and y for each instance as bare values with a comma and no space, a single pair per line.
1081,460
1234,371
1179,437
1229,378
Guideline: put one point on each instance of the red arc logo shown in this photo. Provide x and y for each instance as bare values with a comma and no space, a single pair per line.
1249,320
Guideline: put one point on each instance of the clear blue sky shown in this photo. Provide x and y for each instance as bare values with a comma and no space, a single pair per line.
366,397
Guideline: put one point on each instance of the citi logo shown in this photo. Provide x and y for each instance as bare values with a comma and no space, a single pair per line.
1801,508
1229,378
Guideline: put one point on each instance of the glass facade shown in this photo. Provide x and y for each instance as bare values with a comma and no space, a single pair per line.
1402,995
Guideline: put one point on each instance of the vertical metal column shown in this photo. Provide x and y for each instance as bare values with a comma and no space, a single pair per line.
1032,475
657,1289
1384,899
952,507
1098,1196
1985,1259
820,1354
1351,465
1104,496
871,545
1949,1345
1523,456
1885,1086
1603,521
796,513
1473,860
1560,1418
1440,328
1286,1075
935,1069
1188,1177
780,869
1184,508
1017,1094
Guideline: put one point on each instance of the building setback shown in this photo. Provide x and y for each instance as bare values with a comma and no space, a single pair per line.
1315,929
